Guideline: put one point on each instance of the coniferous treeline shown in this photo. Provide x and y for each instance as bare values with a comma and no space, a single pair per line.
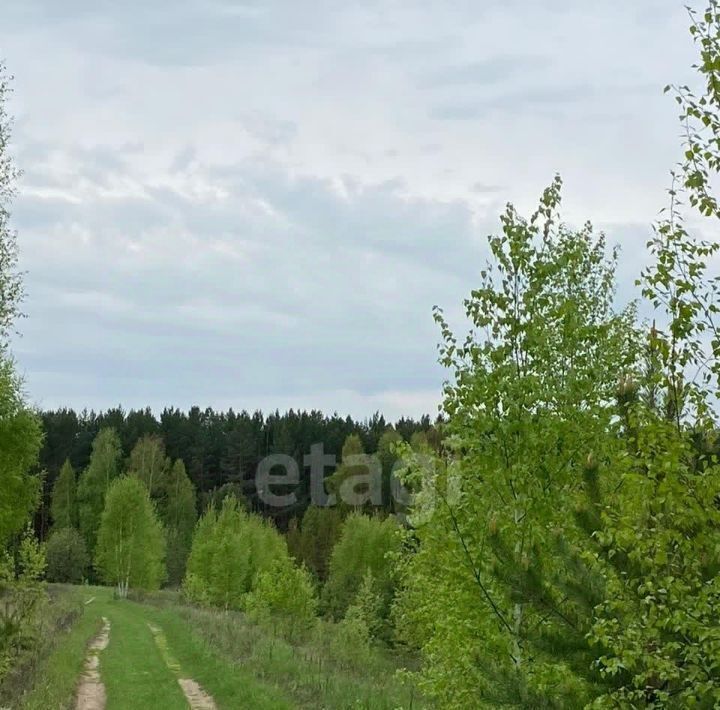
221,450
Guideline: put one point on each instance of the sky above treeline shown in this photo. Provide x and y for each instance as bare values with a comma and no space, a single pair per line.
257,203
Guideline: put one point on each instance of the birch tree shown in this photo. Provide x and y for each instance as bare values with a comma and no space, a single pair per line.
131,542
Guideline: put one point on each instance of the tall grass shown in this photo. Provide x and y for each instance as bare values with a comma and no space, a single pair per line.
44,678
325,670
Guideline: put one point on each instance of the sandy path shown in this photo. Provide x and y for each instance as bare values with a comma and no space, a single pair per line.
197,698
91,691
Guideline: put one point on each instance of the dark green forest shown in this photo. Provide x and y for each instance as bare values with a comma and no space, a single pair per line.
219,449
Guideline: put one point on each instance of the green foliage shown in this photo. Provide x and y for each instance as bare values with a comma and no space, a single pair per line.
67,557
216,497
230,549
221,450
514,601
33,682
388,457
11,286
20,440
366,545
490,595
31,560
368,607
21,592
319,532
150,464
103,469
131,542
63,507
657,631
22,597
179,515
350,643
284,598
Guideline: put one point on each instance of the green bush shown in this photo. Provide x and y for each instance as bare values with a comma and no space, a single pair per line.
313,544
284,598
23,596
368,608
67,557
365,546
230,549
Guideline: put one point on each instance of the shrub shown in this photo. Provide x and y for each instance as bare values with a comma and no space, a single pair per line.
363,548
23,598
368,607
284,595
67,558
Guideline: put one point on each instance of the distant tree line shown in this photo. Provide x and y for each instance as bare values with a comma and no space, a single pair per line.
220,450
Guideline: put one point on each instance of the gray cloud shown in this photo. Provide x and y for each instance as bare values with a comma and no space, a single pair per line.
318,286
258,203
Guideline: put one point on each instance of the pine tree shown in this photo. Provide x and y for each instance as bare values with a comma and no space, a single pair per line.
387,454
357,482
368,607
63,506
319,533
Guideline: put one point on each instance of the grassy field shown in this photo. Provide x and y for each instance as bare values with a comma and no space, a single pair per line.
239,664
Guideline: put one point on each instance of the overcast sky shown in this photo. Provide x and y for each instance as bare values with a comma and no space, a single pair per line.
257,203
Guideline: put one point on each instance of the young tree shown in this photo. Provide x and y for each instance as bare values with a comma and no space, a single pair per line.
319,533
20,439
657,628
95,482
67,558
11,285
179,515
131,542
531,400
368,607
284,598
366,545
150,464
230,549
24,596
63,506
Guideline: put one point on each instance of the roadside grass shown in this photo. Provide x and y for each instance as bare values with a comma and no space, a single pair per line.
50,683
242,665
132,666
230,685
321,672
